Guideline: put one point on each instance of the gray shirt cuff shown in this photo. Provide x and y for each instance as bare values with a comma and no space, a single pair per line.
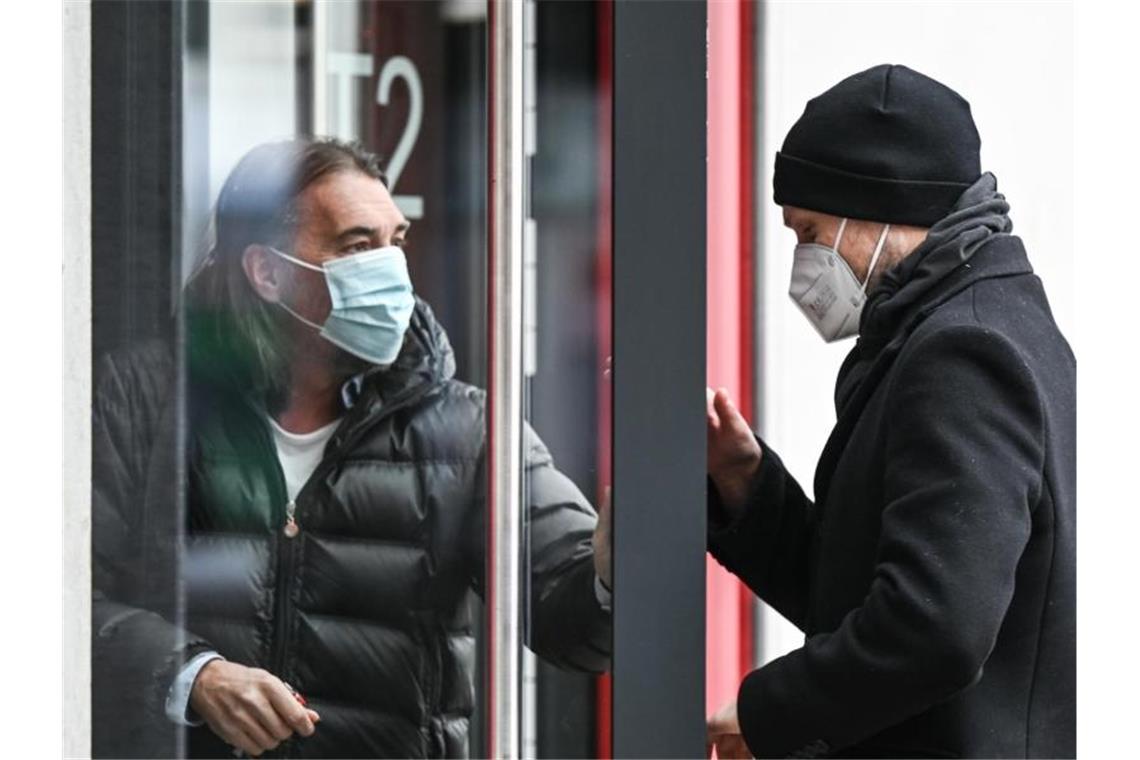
604,595
178,698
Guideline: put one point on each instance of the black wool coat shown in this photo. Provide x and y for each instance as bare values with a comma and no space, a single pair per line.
934,573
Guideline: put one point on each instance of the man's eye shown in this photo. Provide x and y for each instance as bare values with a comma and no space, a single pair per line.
363,245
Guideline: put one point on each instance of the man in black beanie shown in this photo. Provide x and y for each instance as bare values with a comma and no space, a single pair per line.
933,574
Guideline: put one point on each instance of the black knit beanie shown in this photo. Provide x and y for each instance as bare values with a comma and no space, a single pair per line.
887,144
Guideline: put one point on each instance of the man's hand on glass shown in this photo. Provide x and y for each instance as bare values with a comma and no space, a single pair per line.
733,452
249,708
603,543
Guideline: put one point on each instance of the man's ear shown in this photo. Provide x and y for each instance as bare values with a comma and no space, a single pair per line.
261,270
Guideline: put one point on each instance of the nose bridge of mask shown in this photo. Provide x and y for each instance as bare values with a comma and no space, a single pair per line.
363,274
346,277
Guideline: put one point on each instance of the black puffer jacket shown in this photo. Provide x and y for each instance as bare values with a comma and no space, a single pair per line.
365,611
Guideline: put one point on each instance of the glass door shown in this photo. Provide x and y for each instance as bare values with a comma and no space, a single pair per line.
360,272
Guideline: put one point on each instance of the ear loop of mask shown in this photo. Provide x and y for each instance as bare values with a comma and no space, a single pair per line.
297,261
839,235
307,265
875,255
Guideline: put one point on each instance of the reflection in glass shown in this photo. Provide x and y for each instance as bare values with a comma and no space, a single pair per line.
568,295
288,482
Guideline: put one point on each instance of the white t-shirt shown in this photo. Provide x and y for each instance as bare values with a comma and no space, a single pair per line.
300,453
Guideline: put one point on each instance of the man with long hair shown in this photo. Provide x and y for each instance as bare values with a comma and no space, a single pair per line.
289,511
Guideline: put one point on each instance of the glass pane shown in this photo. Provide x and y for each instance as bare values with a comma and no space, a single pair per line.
288,447
567,358
288,487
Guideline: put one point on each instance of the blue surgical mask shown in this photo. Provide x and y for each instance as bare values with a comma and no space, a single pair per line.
372,302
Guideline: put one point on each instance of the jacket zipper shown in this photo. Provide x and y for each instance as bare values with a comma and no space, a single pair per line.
285,552
435,716
291,526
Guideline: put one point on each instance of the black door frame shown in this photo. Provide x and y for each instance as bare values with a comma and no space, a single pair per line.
659,442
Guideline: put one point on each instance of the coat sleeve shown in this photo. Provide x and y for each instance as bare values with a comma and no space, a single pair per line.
135,652
566,624
769,545
963,464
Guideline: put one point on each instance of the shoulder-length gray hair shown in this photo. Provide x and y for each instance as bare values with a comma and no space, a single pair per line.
235,336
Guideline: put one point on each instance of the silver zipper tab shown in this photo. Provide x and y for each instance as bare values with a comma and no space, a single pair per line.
291,528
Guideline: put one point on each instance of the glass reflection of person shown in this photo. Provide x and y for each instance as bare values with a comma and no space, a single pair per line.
333,492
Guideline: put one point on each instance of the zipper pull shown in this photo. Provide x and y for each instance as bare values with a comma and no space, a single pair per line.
291,528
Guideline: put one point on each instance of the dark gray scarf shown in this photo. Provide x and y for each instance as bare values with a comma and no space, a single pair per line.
980,213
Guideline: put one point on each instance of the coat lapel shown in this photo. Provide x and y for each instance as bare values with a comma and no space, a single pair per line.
871,360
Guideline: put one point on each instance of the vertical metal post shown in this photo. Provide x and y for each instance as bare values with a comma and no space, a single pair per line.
659,457
504,391
319,52
528,697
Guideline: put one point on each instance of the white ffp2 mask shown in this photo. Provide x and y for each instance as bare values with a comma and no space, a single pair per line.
826,290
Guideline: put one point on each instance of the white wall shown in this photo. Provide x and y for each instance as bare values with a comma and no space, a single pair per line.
76,398
1014,63
252,89
238,94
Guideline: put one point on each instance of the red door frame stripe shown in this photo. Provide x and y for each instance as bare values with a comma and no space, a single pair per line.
731,87
731,273
604,305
